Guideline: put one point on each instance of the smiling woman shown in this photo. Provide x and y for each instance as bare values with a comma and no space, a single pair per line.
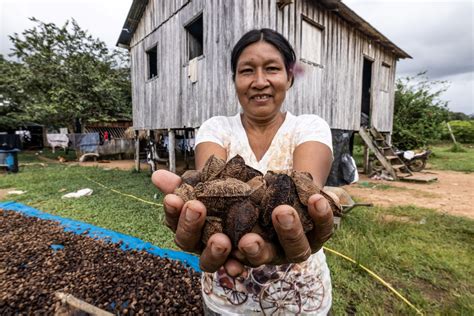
260,276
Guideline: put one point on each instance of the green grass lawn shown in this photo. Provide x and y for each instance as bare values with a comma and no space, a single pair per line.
427,258
443,159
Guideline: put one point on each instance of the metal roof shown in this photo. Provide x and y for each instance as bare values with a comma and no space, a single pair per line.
336,6
131,22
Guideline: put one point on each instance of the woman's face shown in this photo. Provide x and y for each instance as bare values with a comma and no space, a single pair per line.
261,80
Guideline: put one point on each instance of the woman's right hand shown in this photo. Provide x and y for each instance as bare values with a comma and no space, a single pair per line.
187,220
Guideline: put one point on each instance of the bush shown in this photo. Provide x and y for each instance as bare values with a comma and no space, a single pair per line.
457,148
463,131
418,111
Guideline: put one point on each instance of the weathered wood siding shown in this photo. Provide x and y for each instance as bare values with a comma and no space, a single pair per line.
331,90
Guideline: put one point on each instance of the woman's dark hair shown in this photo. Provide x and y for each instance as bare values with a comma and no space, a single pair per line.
267,35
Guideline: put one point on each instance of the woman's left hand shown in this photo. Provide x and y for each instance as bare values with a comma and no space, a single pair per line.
296,246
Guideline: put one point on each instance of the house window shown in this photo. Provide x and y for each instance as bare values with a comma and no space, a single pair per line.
152,58
385,77
195,37
311,41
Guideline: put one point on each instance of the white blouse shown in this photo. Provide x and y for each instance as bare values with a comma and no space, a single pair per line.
303,288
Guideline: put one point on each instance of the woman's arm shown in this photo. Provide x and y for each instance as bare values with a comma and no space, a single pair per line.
313,157
205,150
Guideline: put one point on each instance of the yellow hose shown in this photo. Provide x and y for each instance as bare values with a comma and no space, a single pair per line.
377,278
124,194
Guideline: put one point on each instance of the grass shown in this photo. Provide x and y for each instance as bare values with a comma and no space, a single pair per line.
430,263
427,258
46,185
377,186
444,159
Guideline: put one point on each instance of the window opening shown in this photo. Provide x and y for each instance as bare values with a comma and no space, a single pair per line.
385,76
311,42
152,57
195,37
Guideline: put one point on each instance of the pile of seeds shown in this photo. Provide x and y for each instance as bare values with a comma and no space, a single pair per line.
240,199
37,258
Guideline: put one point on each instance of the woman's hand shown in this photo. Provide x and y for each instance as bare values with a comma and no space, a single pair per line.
296,246
187,221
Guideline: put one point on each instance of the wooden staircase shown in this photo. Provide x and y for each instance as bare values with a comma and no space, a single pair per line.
385,153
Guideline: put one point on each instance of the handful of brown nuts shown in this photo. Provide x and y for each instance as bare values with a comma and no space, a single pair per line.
240,199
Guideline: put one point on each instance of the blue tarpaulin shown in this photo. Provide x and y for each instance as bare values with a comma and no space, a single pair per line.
128,242
89,142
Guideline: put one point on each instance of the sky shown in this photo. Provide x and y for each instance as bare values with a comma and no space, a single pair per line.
438,34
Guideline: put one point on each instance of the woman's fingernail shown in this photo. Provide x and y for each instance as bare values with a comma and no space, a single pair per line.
191,215
252,249
286,220
216,250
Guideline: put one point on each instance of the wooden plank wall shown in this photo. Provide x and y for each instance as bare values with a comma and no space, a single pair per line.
332,91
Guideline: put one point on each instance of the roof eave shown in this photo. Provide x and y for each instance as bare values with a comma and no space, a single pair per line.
131,23
363,26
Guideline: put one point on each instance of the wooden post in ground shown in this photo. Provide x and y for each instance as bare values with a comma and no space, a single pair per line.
451,133
137,151
366,159
171,150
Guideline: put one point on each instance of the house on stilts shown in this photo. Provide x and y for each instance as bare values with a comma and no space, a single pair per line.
181,73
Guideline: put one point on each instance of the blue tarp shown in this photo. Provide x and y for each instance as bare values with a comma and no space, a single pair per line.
89,142
128,242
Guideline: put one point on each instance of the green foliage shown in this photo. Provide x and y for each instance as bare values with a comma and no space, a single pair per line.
418,112
12,94
459,116
64,75
463,131
456,148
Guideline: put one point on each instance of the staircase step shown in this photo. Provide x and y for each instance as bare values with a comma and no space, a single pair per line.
398,166
391,157
403,175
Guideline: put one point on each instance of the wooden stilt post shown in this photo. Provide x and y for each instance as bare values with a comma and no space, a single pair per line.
171,149
366,159
137,151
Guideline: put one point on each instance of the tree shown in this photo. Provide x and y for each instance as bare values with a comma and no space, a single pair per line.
418,112
12,95
459,116
67,76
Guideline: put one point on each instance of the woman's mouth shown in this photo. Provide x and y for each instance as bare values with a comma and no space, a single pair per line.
261,97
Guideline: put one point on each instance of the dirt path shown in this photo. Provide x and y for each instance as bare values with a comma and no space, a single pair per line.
453,193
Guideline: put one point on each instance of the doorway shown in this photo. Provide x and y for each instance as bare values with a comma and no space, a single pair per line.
366,90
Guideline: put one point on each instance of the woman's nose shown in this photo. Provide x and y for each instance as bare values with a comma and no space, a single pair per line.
260,80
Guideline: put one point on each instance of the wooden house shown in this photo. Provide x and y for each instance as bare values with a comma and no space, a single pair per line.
180,60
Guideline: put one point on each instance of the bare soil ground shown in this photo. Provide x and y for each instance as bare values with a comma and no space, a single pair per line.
453,193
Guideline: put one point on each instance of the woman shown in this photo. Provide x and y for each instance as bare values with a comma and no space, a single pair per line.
258,277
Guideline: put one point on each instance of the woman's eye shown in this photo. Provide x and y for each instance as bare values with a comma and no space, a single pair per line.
273,69
246,71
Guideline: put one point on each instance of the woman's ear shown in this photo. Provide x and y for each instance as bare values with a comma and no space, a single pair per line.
291,79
